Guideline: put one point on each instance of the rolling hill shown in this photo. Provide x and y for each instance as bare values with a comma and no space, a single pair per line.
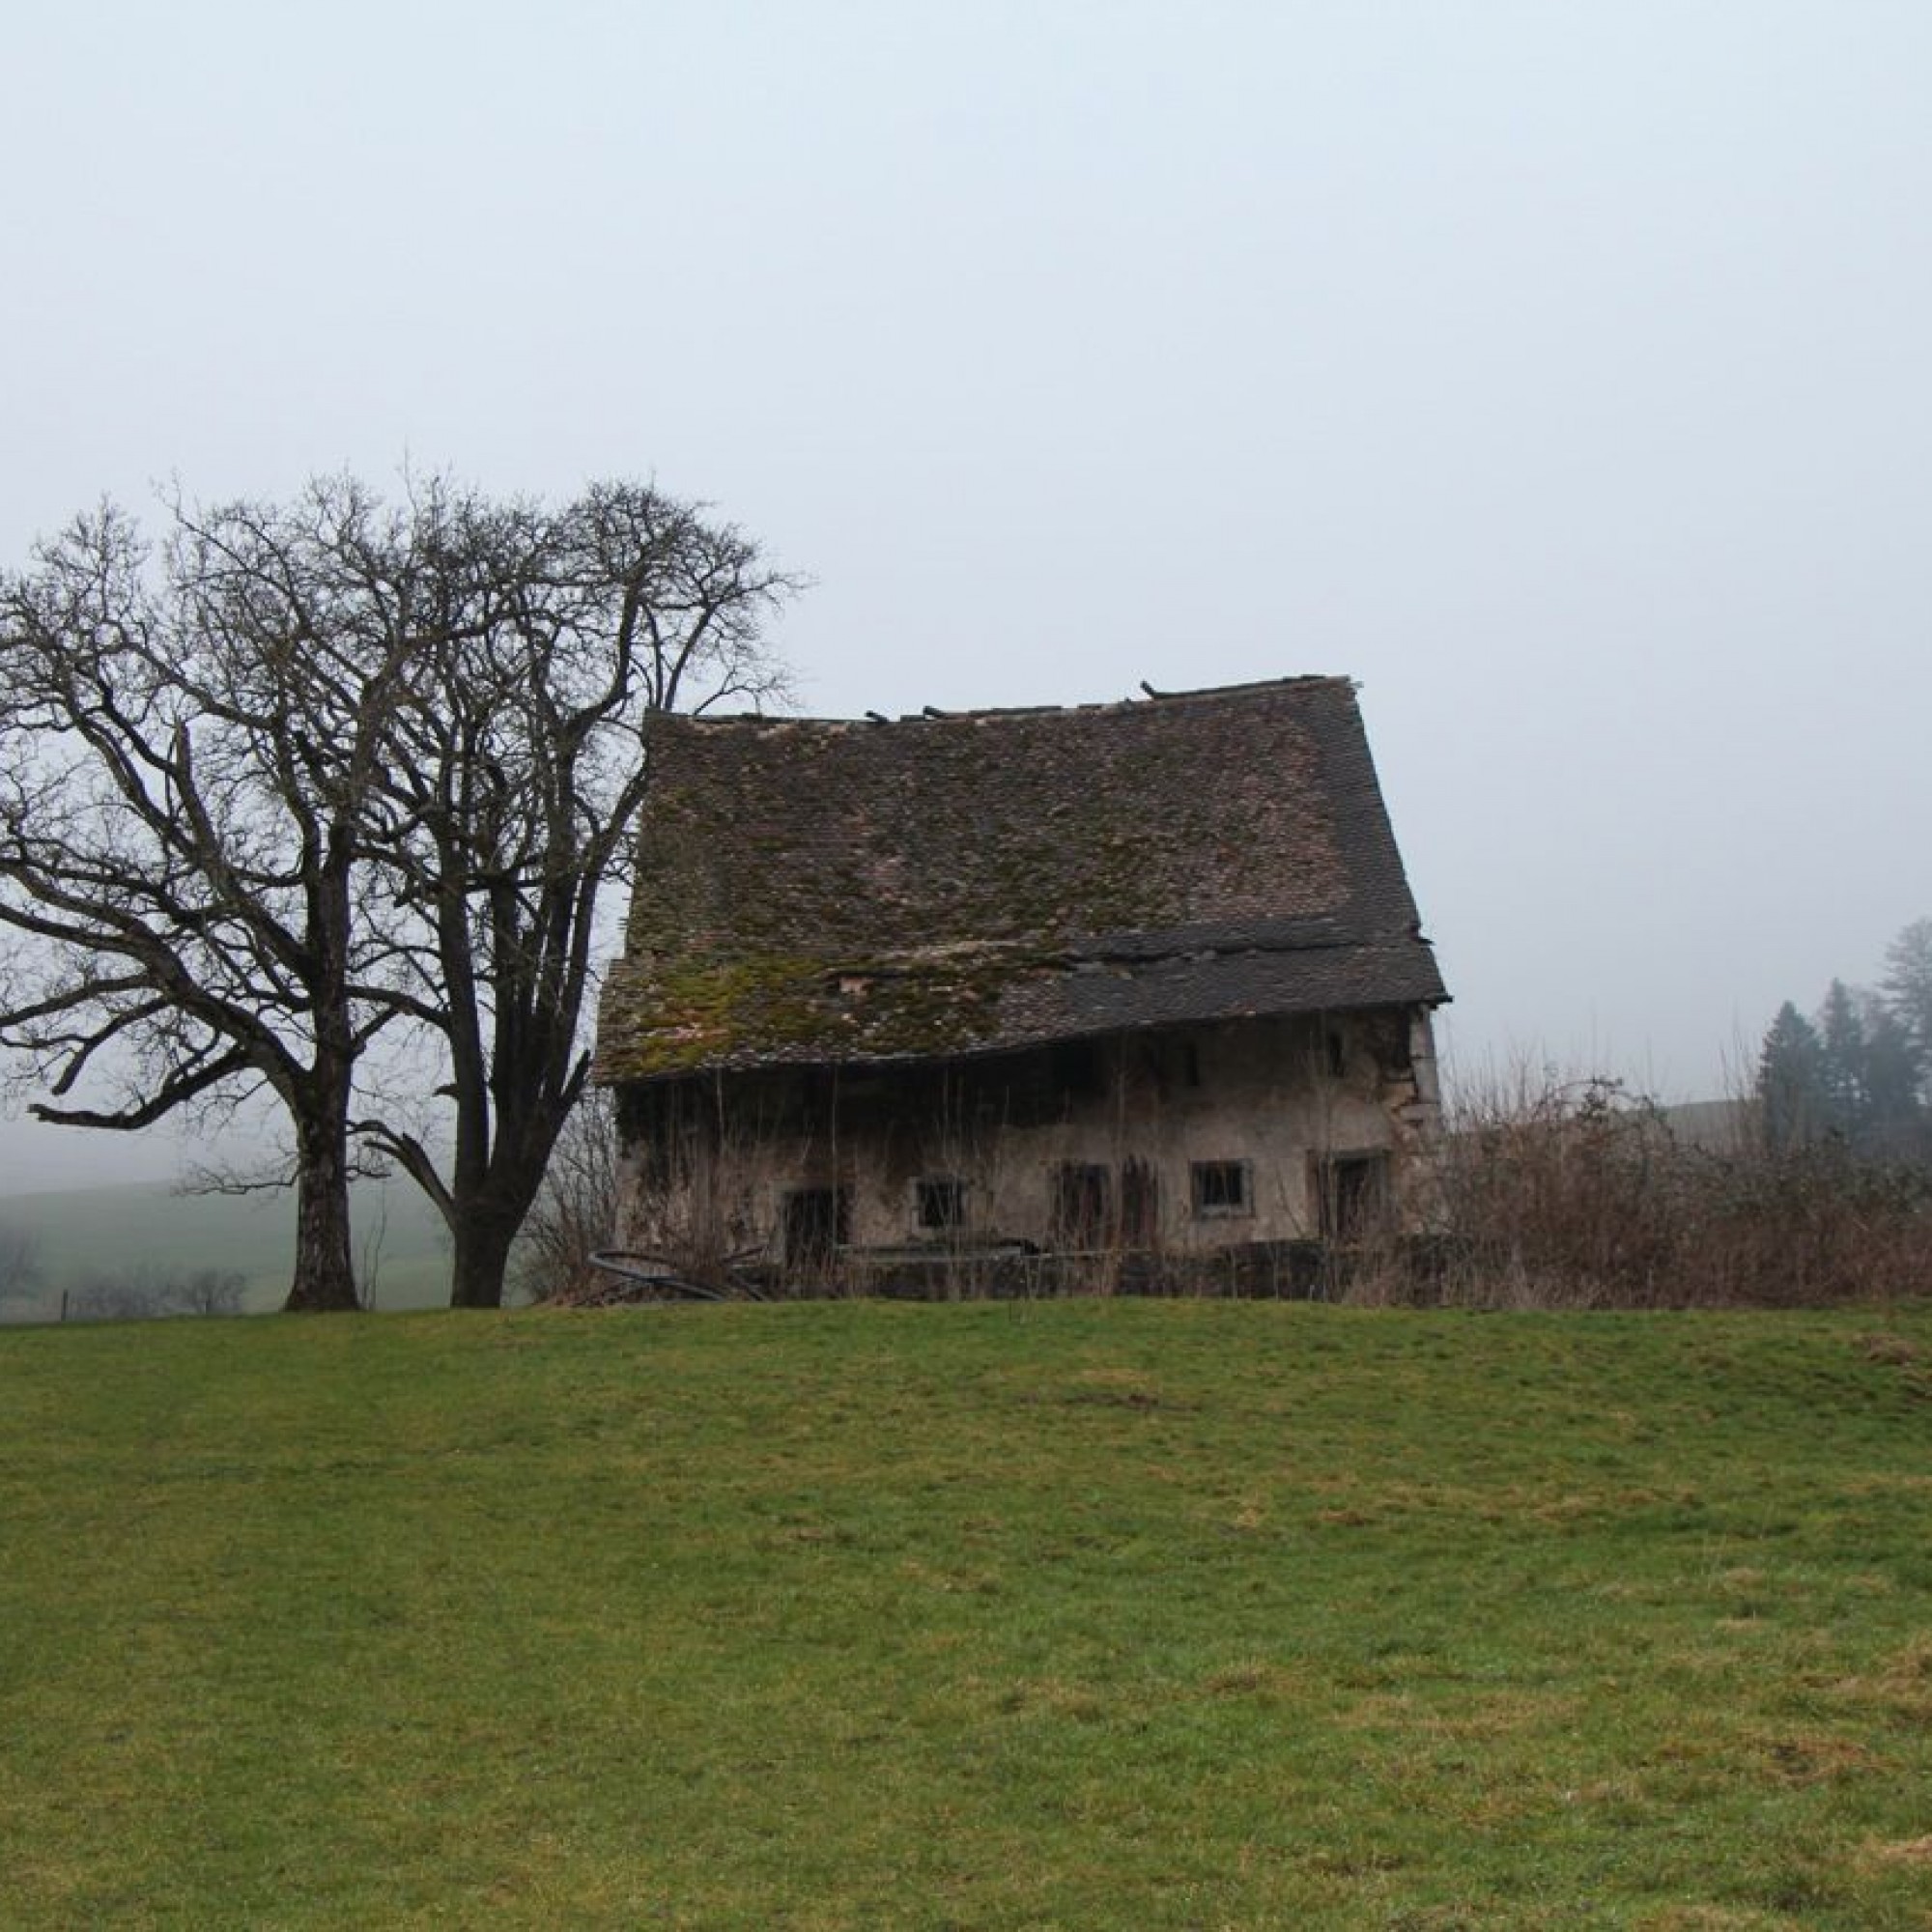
84,1235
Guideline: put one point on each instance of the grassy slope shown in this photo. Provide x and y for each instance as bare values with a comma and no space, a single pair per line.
87,1232
1089,1614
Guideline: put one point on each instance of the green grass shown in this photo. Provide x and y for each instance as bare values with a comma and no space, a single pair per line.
1084,1615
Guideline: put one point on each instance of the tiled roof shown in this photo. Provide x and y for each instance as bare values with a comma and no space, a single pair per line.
816,891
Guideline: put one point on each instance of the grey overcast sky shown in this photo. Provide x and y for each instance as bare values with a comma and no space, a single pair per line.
1561,372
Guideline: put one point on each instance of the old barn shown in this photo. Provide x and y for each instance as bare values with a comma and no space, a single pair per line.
1131,981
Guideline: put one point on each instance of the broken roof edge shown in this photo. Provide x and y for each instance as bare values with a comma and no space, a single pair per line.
608,1071
930,1019
938,715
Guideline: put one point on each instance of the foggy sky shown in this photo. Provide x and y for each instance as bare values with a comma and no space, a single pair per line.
1560,372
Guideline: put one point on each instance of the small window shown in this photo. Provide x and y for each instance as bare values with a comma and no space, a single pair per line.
817,1224
1222,1188
1352,1195
1082,1204
1394,1050
1338,1056
1140,1204
941,1202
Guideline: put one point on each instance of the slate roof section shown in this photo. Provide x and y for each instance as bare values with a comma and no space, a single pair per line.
820,891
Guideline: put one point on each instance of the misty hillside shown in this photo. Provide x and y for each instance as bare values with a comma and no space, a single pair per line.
80,1238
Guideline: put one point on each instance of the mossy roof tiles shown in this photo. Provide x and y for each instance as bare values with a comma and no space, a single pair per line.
815,892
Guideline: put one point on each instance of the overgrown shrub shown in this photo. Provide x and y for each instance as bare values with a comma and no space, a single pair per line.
576,1210
1558,1194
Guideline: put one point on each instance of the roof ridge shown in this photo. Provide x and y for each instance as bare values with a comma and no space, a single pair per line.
933,714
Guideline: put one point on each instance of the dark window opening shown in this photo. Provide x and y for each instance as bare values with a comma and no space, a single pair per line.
1076,1070
1352,1195
1010,1090
1080,1205
1222,1187
941,1202
817,1224
1338,1056
1140,1206
1399,1059
1190,1064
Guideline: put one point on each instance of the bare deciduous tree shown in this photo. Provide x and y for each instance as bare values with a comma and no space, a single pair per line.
331,768
183,754
508,806
145,1294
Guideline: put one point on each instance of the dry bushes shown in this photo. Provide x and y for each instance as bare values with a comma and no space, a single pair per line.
1579,1194
576,1210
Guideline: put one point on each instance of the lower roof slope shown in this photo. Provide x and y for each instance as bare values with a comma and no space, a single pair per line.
820,891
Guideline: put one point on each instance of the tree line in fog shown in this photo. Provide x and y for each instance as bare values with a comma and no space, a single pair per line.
1858,1070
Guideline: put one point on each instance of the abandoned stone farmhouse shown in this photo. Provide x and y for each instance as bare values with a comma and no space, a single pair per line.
1140,978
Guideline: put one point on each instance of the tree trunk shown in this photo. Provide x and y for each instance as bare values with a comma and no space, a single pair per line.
324,1279
480,1257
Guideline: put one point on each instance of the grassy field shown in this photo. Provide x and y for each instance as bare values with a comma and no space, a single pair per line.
1082,1614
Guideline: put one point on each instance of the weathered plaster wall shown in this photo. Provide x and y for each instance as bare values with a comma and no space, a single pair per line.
709,1164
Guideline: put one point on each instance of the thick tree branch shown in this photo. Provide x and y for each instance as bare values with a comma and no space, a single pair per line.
172,1093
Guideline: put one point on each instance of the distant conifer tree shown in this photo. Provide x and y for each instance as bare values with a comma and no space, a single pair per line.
1791,1087
1893,1073
1841,1071
1907,992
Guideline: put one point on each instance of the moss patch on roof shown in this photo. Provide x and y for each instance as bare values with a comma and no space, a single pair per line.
757,1007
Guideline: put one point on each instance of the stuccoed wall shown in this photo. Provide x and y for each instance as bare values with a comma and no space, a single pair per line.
710,1162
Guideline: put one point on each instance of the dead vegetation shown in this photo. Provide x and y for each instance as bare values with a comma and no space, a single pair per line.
574,1213
1582,1194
